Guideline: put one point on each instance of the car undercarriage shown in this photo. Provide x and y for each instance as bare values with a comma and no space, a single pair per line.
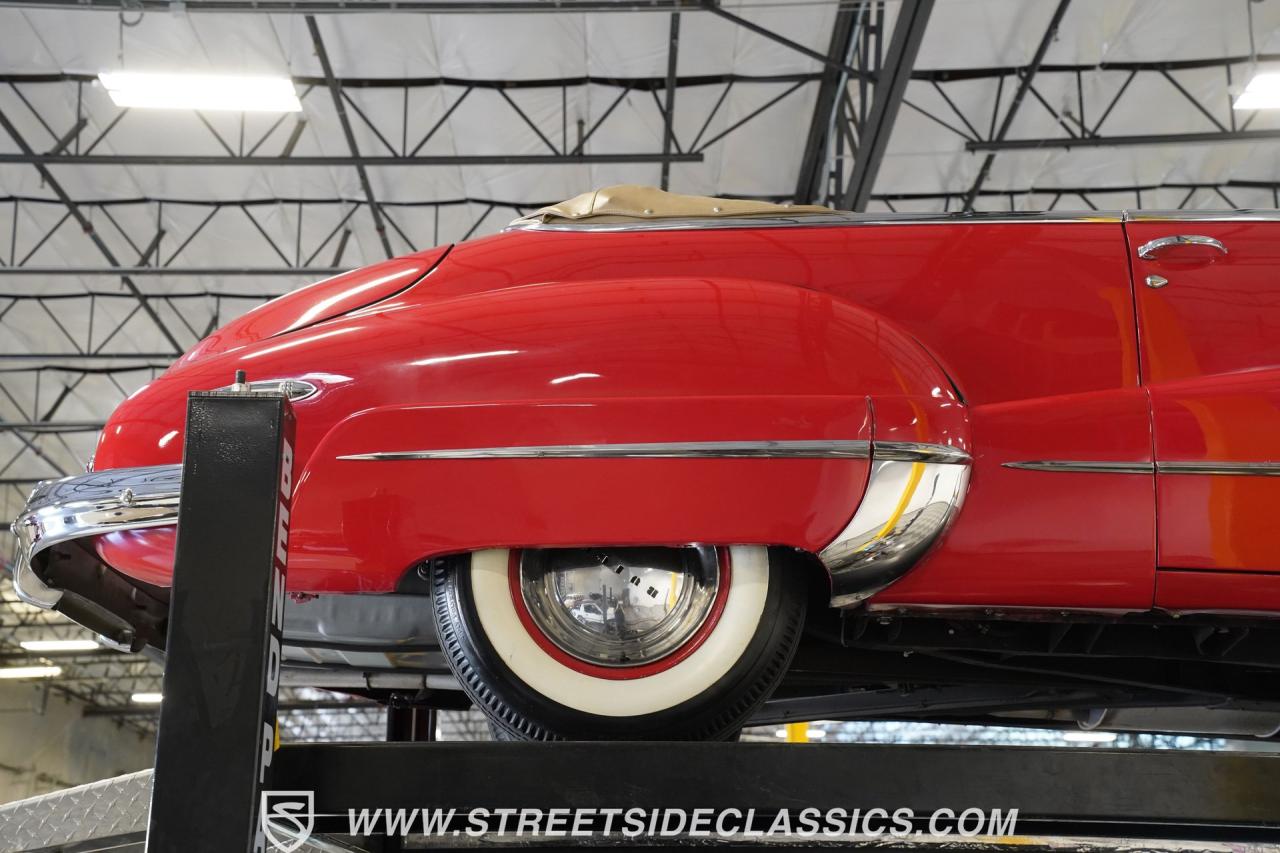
1199,674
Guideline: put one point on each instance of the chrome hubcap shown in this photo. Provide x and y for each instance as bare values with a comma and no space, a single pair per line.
619,606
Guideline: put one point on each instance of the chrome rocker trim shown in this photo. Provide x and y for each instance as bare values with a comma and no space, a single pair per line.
1227,469
913,493
89,505
1224,469
652,450
1083,467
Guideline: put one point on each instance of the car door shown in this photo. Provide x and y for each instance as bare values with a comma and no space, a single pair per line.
1207,290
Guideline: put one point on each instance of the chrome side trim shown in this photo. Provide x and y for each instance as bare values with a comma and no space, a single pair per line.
910,451
88,505
1243,215
913,493
836,218
1228,469
834,449
1084,467
812,220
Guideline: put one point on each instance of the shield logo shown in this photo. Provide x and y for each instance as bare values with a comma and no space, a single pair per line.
288,818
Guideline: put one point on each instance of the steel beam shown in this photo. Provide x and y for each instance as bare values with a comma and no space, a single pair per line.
714,7
668,113
940,75
346,7
36,451
335,90
342,160
891,85
844,38
87,226
640,83
1024,86
1199,138
45,272
82,356
51,426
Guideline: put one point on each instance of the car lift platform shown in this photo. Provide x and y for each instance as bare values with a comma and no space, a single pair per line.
1068,799
218,761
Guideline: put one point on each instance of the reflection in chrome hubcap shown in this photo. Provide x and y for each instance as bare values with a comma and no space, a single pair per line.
619,606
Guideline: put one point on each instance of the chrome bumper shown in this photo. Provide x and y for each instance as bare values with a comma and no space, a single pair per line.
89,505
913,493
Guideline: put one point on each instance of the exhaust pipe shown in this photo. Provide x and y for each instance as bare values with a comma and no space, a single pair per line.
1227,722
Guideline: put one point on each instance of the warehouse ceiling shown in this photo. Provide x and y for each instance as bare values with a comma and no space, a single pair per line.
125,235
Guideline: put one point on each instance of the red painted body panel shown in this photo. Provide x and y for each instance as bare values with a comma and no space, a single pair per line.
1220,312
318,302
1218,592
146,555
1013,311
362,523
936,419
1048,539
564,338
358,525
661,360
1211,356
1217,521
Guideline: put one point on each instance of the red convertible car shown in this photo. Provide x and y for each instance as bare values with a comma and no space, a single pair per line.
652,466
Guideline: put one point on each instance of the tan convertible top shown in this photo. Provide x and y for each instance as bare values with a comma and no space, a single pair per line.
630,207
626,202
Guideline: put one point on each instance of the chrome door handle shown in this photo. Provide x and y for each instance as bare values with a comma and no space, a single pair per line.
1147,251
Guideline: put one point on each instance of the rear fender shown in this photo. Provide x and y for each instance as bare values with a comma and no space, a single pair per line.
610,364
584,363
393,485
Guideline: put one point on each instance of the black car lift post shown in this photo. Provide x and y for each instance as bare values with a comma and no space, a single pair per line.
216,750
217,736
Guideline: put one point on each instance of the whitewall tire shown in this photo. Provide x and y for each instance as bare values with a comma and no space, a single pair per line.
704,689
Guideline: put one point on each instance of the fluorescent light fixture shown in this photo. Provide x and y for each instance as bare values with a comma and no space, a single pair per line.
146,698
1089,737
60,645
815,734
30,672
200,92
1262,93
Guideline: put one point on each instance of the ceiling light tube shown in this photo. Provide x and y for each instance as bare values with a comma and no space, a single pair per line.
30,672
1262,92
149,90
60,645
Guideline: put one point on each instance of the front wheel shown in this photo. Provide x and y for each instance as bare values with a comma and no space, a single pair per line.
619,643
